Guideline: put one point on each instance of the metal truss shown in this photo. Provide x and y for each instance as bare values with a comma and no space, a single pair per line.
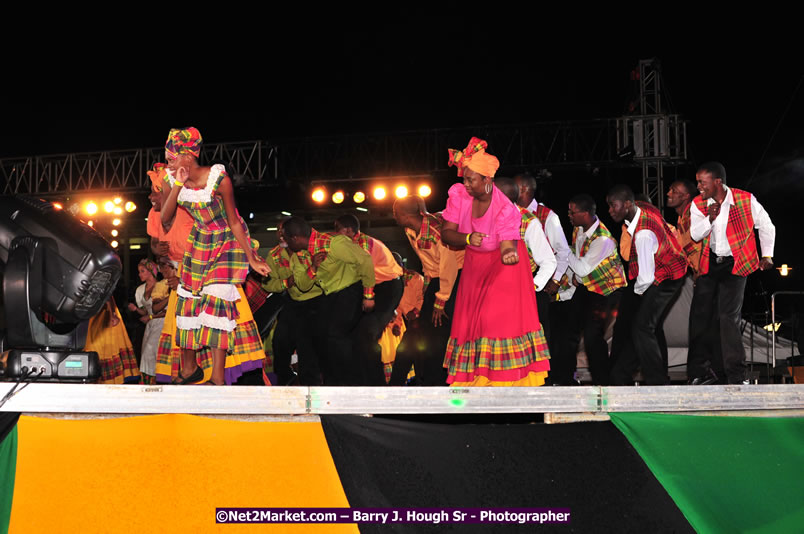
249,163
566,143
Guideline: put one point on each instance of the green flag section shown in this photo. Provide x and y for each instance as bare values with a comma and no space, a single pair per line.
726,474
8,469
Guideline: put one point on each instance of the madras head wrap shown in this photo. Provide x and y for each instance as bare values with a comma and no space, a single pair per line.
186,141
149,265
475,158
157,175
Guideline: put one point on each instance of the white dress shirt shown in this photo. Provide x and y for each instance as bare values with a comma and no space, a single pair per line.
541,252
700,226
556,238
599,250
646,245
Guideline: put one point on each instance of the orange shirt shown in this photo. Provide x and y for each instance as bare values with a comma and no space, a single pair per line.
178,234
438,260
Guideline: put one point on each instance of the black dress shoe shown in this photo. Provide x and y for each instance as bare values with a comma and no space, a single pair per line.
706,380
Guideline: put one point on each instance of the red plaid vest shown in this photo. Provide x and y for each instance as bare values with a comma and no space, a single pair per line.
541,213
609,275
527,217
669,262
366,242
739,233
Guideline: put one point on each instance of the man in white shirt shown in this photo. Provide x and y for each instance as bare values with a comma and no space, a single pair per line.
545,299
597,276
656,268
723,219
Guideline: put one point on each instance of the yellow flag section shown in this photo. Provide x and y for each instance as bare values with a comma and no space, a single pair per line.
168,473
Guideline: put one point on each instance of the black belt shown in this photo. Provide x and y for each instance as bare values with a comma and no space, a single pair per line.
719,259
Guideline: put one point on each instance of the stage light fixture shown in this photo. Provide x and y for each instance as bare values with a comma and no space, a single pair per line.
116,222
359,197
118,210
319,195
57,206
337,197
401,191
118,200
91,208
379,193
784,270
130,206
114,243
115,232
108,206
285,213
90,224
425,191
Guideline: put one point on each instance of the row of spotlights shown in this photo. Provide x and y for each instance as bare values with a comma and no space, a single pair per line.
110,206
379,193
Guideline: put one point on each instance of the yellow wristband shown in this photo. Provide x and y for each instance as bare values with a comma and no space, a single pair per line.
178,183
467,238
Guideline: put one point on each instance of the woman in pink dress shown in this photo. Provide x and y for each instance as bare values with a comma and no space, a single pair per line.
496,338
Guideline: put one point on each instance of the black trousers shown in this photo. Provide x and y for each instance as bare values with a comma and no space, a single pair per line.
589,312
423,344
386,299
333,325
646,313
717,304
293,333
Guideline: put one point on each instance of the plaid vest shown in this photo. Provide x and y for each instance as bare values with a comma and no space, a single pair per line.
527,217
609,275
541,213
365,242
739,234
669,262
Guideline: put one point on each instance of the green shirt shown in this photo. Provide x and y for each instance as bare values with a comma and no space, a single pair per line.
346,263
284,265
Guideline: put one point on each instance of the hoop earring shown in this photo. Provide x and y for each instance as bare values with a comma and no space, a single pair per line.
488,188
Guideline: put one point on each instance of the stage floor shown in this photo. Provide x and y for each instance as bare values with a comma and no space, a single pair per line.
559,404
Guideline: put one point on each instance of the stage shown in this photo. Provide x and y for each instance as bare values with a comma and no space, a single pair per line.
133,458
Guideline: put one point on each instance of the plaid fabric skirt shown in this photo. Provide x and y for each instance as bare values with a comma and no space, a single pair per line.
496,337
168,353
213,257
224,324
114,348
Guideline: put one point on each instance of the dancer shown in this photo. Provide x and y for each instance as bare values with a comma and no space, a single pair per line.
151,298
496,338
723,219
216,262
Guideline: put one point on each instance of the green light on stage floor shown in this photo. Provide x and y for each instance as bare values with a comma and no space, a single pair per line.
457,403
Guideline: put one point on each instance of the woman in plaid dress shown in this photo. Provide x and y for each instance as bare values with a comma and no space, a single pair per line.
496,338
210,299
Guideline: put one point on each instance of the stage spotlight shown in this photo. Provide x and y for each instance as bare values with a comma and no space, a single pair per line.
118,210
118,200
91,208
90,224
114,243
424,191
379,193
57,206
115,232
337,197
116,222
130,206
784,270
108,207
401,191
319,195
359,197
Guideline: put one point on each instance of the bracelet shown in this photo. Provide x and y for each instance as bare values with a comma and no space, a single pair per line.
467,238
150,316
178,183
